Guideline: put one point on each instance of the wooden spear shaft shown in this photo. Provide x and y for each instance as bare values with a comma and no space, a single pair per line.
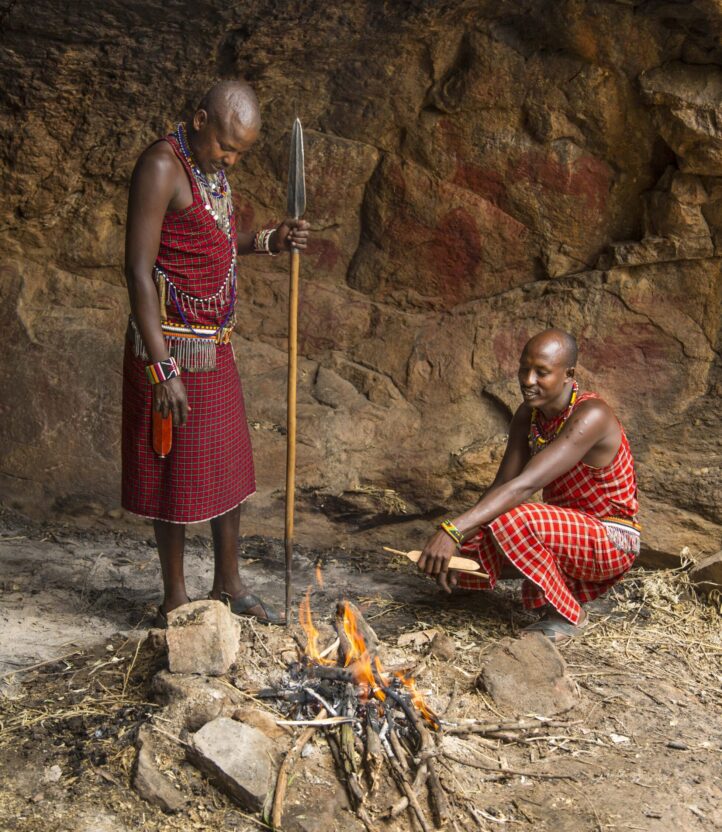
291,420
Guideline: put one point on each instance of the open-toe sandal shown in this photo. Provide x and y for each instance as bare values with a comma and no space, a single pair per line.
556,629
241,604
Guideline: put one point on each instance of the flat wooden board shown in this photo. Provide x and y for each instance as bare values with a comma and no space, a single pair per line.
458,563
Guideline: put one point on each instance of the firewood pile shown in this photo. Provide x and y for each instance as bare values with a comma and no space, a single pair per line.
376,723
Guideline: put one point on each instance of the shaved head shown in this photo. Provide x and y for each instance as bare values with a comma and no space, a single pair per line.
232,101
566,345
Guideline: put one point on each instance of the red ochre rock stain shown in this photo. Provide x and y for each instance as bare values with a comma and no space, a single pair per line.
454,255
245,215
484,182
325,321
587,178
507,345
325,252
632,352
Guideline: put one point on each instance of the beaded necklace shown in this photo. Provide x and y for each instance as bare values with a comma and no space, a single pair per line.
537,440
214,188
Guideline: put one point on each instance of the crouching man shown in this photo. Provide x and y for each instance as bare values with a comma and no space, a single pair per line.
584,536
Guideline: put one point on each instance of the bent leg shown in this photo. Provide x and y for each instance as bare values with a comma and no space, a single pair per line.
170,539
564,555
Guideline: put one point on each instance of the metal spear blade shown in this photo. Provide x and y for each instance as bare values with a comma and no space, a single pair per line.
296,177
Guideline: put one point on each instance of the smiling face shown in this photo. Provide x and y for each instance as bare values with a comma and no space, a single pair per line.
545,377
218,143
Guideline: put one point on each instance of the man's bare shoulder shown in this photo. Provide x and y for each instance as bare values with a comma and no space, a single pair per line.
522,415
594,412
158,163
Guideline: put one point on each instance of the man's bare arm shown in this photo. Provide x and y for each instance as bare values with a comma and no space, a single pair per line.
153,187
591,424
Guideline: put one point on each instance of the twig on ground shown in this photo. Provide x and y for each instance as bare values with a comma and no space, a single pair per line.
289,761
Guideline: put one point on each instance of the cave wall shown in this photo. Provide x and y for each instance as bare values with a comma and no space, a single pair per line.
476,171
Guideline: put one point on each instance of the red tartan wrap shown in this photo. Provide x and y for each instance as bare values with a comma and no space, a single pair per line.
209,470
561,546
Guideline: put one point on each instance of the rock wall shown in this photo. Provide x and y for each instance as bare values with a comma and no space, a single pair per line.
476,171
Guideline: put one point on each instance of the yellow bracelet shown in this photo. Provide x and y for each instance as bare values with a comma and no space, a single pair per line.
454,533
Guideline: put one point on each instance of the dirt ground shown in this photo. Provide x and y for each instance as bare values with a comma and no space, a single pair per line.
640,751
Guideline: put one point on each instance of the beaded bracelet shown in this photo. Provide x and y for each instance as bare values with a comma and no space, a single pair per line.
162,370
454,533
262,242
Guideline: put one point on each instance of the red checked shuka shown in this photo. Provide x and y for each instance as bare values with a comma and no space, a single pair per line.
209,469
575,544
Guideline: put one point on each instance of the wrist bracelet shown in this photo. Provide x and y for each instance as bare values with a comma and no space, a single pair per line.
162,370
454,533
262,242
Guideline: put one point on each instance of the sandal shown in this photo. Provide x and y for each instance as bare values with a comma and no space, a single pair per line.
242,603
160,622
557,630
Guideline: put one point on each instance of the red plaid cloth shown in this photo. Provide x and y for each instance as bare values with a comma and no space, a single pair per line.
194,252
209,470
561,546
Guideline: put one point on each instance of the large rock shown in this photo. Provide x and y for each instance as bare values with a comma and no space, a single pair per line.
689,103
193,700
706,575
528,676
238,757
468,163
203,637
150,783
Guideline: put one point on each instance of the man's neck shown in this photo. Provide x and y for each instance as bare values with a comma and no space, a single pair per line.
559,405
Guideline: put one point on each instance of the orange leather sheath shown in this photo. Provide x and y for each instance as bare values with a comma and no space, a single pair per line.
162,433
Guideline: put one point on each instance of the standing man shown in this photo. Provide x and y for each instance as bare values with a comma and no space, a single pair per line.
180,266
583,537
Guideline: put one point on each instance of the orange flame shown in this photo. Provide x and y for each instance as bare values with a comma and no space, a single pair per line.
319,576
306,620
418,700
370,677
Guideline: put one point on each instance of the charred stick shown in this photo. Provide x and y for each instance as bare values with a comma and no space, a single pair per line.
336,674
298,696
437,796
374,755
422,772
353,786
289,761
408,789
346,742
398,749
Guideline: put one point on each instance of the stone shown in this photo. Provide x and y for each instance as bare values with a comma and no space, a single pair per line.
443,647
689,110
262,720
203,637
239,758
149,782
528,676
191,700
462,188
706,574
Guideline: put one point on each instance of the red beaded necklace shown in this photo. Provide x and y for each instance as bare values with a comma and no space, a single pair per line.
537,439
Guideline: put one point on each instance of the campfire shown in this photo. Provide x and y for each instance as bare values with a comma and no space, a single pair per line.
375,721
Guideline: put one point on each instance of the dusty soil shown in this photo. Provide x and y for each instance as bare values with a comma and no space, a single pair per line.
640,751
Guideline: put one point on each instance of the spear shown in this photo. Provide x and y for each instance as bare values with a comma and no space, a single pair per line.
296,209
